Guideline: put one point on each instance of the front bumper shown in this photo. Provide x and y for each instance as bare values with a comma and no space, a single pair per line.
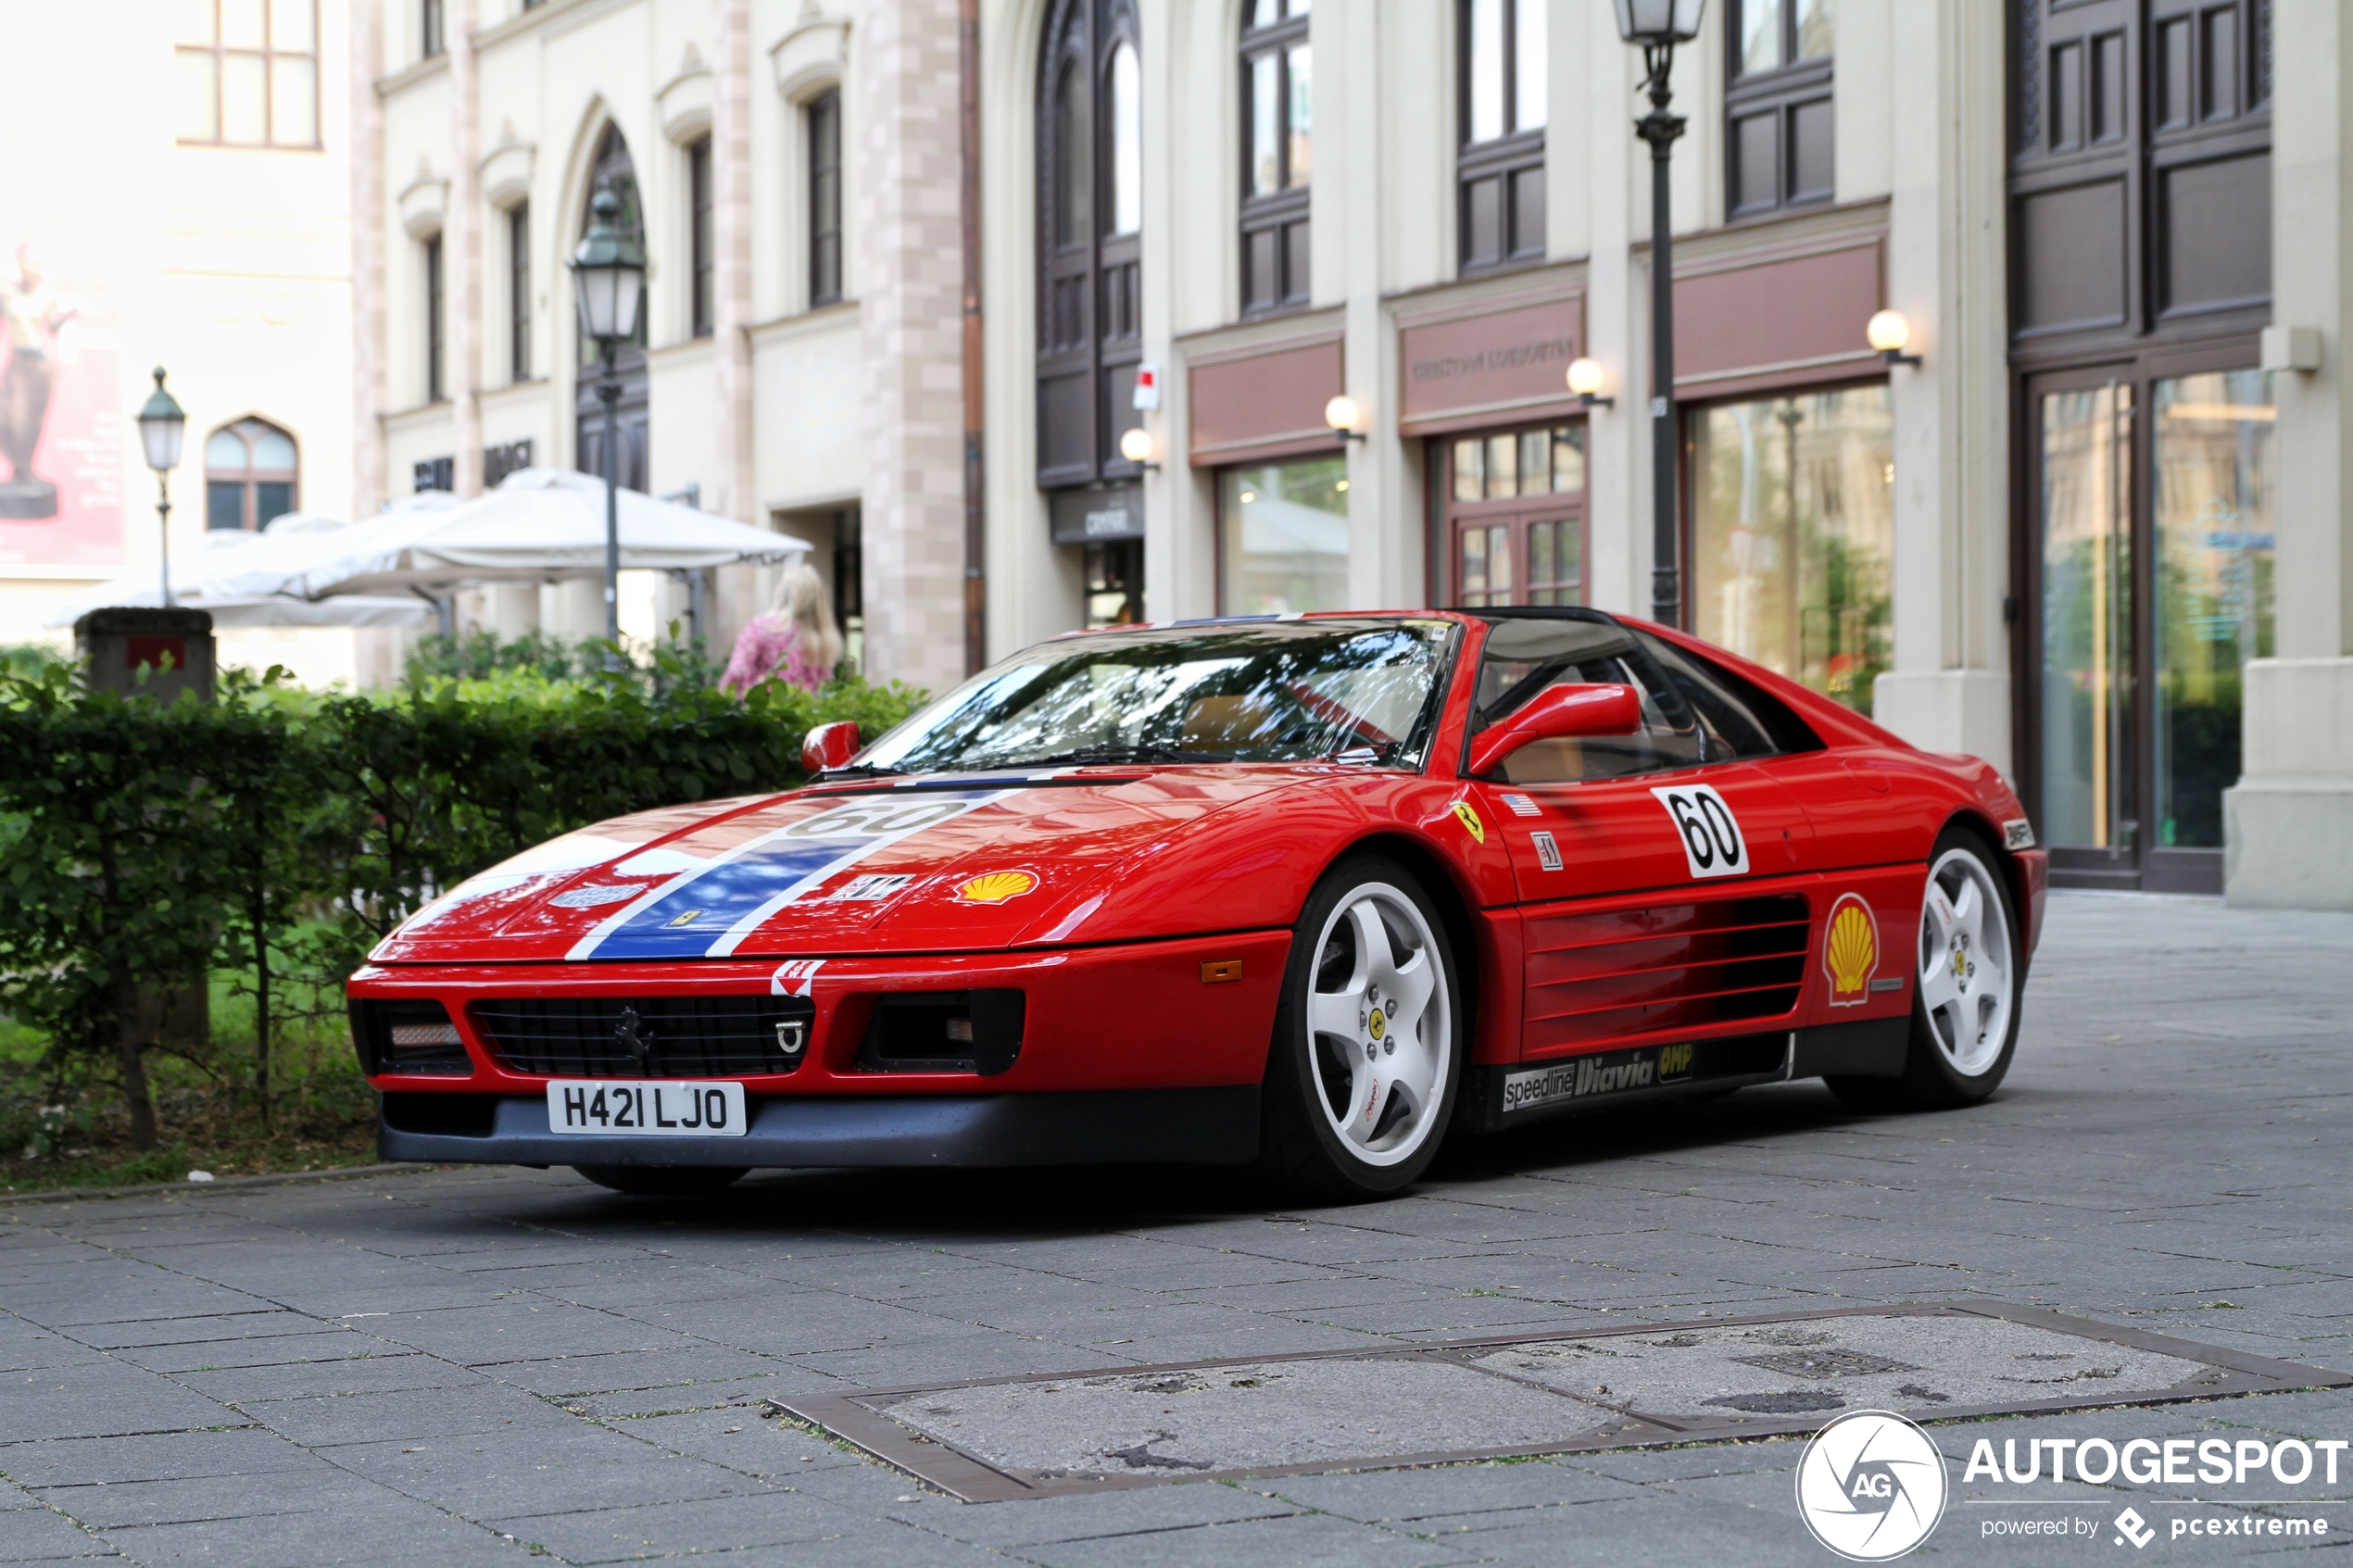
1210,1126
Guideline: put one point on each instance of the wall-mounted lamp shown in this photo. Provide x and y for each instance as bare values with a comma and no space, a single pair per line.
1888,333
1136,445
1345,417
1585,379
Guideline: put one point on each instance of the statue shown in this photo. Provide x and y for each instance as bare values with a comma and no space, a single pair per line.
31,314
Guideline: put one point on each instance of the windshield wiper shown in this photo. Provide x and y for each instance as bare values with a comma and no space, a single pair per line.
860,771
1117,754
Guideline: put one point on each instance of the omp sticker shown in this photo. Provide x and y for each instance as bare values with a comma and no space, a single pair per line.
1850,950
732,895
803,971
1712,842
1547,854
2018,833
1522,806
1607,1073
995,887
1469,819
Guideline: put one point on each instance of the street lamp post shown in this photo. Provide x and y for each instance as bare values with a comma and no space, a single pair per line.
608,275
1655,27
162,426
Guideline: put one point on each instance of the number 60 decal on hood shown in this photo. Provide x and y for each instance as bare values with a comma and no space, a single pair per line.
1711,834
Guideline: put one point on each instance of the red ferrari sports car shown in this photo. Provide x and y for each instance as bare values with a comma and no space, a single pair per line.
1313,891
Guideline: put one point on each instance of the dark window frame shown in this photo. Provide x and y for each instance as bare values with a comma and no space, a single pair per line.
433,29
701,252
436,325
1785,96
1277,258
821,126
250,476
1089,288
1512,163
519,291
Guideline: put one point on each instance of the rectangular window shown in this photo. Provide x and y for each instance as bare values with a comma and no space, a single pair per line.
703,254
1504,104
1284,536
519,291
1279,137
247,74
433,37
1515,515
436,389
1794,535
1777,105
824,125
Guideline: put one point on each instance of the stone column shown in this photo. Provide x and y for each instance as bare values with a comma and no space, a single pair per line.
1943,65
462,251
910,287
2288,823
368,482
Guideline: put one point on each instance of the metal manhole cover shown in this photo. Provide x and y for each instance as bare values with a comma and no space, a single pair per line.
993,1439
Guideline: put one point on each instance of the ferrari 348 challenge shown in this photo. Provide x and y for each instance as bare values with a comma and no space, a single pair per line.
1310,891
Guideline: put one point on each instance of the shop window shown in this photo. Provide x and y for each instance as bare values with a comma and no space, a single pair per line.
1279,128
1284,536
249,74
822,124
1503,103
1114,583
1793,533
519,291
1777,105
1091,214
250,471
1515,516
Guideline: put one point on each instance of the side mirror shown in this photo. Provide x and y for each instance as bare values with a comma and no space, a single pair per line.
1558,713
829,746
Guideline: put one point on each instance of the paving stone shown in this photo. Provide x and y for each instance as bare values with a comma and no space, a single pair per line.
101,1400
754,1518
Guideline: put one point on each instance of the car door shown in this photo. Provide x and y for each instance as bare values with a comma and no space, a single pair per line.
1662,876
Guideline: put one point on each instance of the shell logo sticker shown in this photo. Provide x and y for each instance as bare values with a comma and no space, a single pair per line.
1850,952
1469,819
994,887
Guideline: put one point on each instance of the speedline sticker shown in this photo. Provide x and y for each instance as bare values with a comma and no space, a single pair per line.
1712,844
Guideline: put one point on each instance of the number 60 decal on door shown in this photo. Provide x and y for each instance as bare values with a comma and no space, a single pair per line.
1712,841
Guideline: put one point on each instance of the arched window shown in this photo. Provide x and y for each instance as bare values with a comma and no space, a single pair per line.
1279,128
1090,217
250,471
613,170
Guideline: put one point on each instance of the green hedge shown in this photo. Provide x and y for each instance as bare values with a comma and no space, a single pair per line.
280,832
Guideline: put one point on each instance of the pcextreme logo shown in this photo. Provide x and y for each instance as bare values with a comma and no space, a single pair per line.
1870,1486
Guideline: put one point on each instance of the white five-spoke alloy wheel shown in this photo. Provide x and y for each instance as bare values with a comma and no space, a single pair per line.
1966,963
1380,1025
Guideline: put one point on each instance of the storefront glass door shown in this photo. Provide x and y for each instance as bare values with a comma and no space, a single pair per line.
1515,516
2153,594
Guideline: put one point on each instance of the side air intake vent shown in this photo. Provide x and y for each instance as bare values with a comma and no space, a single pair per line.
944,1032
407,1036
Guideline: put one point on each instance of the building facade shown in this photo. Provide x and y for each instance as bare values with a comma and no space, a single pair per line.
177,194
1028,313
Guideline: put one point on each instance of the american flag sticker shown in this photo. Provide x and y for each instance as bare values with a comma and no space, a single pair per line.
1522,806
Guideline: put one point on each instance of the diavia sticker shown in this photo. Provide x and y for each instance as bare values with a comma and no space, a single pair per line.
1850,950
794,977
995,887
1467,815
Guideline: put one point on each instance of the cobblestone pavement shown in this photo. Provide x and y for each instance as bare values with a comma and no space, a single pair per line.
471,1366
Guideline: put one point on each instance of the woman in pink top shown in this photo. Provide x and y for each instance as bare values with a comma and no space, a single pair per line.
793,640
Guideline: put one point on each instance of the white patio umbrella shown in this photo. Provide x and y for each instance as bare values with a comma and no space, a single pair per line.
540,525
225,550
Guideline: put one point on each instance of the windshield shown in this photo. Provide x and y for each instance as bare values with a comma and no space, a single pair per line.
1273,691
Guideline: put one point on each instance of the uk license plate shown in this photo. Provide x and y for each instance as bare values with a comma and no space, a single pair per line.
636,1108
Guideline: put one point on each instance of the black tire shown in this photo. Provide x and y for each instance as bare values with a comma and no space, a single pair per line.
1938,1074
1301,1151
665,1181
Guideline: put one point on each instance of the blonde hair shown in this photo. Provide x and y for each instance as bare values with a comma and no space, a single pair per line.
806,609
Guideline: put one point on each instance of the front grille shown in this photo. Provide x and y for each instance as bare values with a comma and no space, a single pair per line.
645,1036
408,1037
